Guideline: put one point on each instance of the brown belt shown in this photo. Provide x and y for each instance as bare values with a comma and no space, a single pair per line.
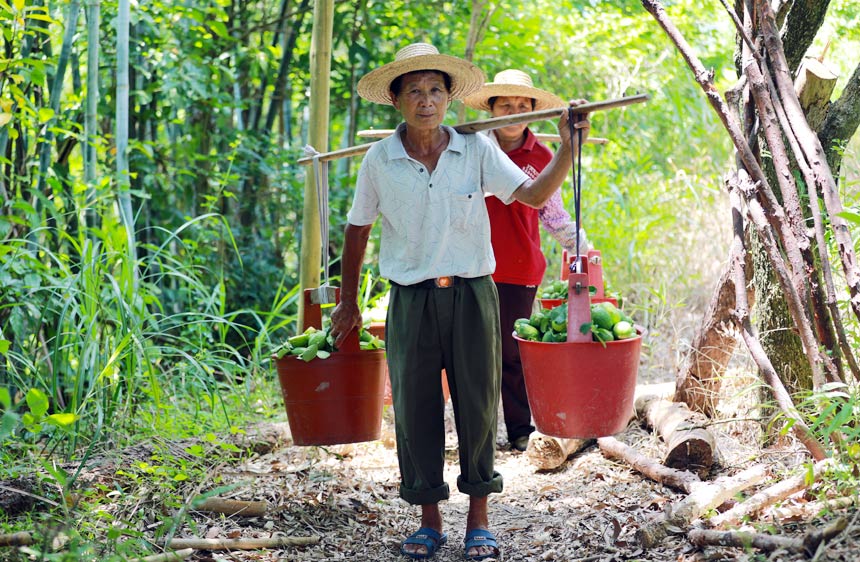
444,282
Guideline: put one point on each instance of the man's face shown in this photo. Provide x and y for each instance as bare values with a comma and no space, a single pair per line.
512,105
423,99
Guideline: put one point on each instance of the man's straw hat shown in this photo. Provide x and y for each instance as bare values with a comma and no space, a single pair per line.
465,76
512,82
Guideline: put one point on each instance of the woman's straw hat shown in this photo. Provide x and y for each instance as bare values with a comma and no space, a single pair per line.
465,76
512,82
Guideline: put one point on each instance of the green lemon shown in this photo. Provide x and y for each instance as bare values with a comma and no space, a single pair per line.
612,310
600,317
623,330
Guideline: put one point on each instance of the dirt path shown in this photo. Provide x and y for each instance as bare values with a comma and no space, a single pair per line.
587,509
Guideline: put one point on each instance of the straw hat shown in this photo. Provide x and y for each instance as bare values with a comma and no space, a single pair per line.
512,82
465,76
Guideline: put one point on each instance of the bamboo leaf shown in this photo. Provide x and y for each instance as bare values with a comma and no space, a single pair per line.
5,118
19,5
4,349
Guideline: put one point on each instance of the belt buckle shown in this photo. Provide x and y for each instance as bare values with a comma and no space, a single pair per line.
443,282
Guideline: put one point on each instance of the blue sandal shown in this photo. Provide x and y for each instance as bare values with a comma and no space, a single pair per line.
426,537
481,537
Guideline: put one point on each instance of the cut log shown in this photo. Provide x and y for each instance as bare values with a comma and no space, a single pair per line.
680,480
241,544
806,545
546,452
770,495
703,497
16,539
233,507
689,444
814,85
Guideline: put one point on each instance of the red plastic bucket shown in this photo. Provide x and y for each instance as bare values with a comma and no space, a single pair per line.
580,390
335,400
550,303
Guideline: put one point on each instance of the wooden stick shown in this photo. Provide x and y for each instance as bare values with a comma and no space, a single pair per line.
676,479
168,556
233,507
496,122
769,496
22,538
493,123
703,498
690,446
241,544
546,452
742,539
542,137
806,545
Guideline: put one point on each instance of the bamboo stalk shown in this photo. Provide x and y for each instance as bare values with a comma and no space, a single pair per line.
172,556
542,137
22,538
233,507
241,544
493,123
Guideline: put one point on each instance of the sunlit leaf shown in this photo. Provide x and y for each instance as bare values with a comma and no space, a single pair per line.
4,344
37,401
62,419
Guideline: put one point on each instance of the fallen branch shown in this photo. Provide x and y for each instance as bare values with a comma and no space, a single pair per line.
702,498
233,507
168,556
241,544
676,479
16,539
769,496
806,545
811,509
689,444
546,452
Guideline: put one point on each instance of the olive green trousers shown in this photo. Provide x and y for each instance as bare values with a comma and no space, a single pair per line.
455,328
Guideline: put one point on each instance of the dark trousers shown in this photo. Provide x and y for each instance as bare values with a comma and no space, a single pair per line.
515,301
456,328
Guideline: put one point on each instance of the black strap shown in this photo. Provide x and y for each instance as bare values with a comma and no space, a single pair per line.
576,180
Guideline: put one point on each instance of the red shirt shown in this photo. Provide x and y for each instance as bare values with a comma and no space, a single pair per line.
514,228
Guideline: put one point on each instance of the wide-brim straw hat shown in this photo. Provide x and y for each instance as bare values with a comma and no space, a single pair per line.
513,83
466,78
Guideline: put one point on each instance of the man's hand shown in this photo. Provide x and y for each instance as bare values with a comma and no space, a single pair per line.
344,318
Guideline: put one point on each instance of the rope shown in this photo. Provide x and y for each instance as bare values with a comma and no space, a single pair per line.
576,180
321,181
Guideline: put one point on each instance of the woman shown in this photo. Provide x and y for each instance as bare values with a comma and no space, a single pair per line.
520,263
427,183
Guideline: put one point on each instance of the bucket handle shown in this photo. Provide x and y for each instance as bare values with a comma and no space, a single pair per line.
313,317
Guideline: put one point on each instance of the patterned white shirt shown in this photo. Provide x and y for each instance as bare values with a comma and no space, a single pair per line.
433,224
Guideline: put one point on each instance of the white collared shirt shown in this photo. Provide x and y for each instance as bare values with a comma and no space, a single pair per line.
433,224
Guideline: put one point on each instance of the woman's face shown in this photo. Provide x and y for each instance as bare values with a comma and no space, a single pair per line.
511,105
423,99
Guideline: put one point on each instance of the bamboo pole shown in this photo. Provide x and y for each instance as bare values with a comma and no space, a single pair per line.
542,137
493,123
321,40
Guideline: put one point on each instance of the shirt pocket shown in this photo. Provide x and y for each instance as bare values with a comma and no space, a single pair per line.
466,210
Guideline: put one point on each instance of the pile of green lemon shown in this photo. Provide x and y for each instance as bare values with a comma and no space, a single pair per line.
314,343
608,323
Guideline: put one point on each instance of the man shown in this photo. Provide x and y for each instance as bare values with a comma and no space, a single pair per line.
520,263
427,183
